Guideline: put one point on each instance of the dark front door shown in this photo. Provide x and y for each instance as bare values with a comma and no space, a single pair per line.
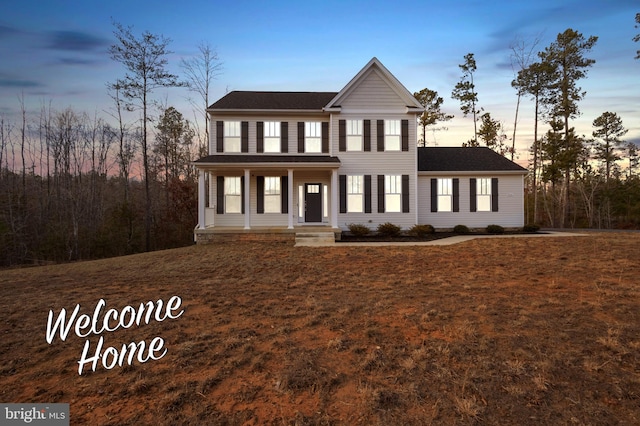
312,202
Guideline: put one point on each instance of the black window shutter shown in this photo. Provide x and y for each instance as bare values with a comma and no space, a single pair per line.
366,129
456,195
473,200
244,136
405,193
494,194
380,135
405,135
219,136
343,193
242,193
284,194
284,136
434,195
325,137
380,193
300,136
367,193
342,135
260,136
220,194
259,194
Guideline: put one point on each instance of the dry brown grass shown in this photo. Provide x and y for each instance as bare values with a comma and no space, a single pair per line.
505,331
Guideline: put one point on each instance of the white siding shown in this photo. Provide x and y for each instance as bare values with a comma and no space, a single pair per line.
373,93
510,202
376,163
253,119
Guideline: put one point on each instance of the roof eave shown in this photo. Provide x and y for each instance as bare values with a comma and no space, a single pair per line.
230,111
470,172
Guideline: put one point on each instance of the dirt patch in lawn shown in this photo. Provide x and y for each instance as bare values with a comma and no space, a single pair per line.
499,331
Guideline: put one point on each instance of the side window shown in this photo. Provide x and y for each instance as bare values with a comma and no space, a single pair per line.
445,195
483,194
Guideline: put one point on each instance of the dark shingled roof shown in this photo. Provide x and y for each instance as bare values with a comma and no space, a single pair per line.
239,100
267,158
454,159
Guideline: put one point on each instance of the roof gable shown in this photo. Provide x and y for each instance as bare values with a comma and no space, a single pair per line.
464,159
374,70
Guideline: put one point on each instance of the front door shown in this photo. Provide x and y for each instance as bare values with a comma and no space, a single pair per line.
312,202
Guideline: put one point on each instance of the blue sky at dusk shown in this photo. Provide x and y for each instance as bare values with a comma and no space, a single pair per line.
55,52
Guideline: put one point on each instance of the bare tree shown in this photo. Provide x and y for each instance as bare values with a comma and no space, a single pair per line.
200,71
522,52
145,59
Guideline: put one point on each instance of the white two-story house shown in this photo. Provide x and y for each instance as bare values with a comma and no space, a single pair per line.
280,162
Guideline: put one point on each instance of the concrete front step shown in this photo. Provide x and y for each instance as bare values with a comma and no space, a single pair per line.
315,238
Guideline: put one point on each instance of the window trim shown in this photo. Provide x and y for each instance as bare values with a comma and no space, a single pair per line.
397,127
317,125
352,205
355,136
238,188
227,138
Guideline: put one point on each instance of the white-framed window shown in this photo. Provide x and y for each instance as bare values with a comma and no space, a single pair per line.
232,136
313,136
392,135
271,136
272,193
393,193
445,195
232,194
355,194
483,194
354,135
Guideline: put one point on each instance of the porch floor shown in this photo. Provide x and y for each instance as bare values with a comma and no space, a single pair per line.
262,232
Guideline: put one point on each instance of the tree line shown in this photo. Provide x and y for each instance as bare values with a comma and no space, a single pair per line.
573,180
76,186
79,186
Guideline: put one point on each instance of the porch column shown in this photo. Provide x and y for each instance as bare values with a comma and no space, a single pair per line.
247,198
334,198
201,199
290,200
212,192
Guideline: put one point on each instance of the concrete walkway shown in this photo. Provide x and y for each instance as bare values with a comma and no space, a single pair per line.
442,241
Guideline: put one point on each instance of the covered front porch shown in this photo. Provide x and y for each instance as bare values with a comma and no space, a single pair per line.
267,194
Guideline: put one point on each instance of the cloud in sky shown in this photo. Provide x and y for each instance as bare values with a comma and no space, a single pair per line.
11,82
76,41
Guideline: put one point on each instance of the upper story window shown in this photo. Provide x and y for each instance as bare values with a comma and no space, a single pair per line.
445,195
271,136
483,194
392,134
355,194
354,135
232,136
393,193
232,194
313,136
